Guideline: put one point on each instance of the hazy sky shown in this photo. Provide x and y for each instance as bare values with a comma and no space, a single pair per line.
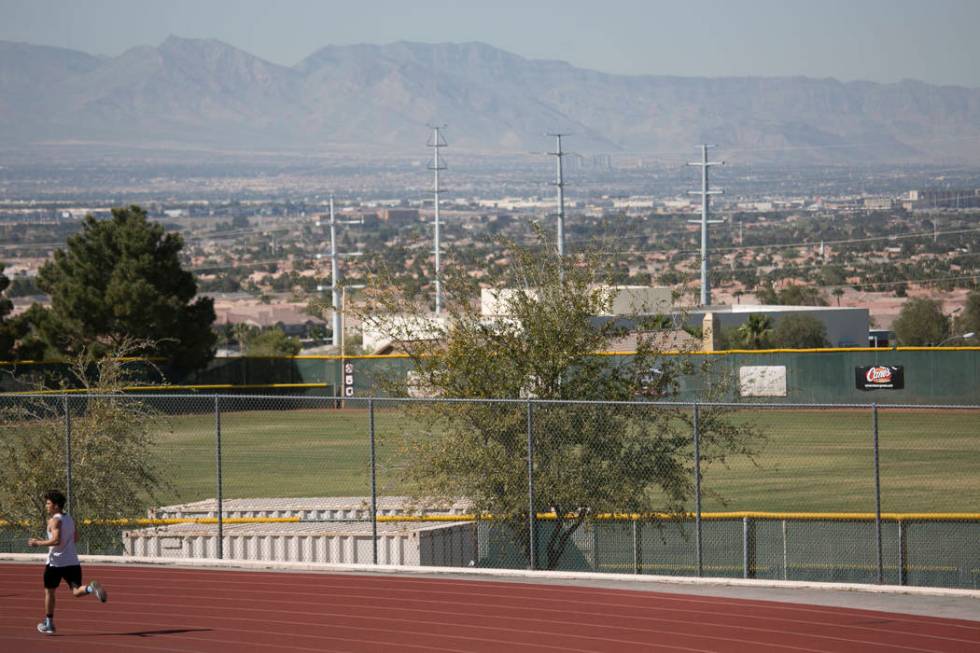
880,40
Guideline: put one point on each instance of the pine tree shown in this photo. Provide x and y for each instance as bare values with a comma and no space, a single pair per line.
121,279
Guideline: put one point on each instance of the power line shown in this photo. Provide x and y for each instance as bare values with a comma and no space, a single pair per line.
901,281
335,284
845,268
847,240
788,245
704,164
918,280
560,186
797,148
244,264
436,143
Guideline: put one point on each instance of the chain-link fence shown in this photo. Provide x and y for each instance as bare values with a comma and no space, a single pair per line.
800,492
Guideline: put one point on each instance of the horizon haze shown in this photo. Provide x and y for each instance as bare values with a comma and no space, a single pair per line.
883,41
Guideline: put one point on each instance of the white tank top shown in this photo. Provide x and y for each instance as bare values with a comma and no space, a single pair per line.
64,555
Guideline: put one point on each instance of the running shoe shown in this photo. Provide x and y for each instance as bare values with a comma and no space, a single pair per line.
46,628
98,590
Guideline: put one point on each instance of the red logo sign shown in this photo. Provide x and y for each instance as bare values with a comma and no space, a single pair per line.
878,375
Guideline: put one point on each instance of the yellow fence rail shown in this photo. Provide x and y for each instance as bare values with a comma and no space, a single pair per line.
550,516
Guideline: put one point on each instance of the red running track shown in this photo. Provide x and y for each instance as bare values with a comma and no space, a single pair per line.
166,609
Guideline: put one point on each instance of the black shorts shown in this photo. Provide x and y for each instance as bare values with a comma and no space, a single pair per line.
53,576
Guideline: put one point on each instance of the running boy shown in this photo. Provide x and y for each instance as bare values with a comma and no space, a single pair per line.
62,559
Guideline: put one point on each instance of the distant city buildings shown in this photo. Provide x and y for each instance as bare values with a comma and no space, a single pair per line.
399,216
941,199
879,203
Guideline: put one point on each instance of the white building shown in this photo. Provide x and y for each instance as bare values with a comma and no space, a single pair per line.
846,326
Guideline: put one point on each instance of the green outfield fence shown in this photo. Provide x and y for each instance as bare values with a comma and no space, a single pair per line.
864,493
949,375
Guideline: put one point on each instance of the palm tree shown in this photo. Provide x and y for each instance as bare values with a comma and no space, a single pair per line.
838,293
755,332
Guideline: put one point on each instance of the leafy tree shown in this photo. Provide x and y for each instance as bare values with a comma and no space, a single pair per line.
921,323
671,278
121,280
114,472
797,295
7,336
588,458
727,339
18,337
755,332
272,342
799,332
832,275
766,294
969,320
26,329
319,332
23,287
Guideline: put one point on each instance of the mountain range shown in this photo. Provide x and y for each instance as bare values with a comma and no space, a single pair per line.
205,95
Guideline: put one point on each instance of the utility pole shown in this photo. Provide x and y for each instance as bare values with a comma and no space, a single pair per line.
560,185
335,285
704,164
343,307
435,143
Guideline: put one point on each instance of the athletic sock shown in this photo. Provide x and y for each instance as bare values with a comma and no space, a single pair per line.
88,588
49,620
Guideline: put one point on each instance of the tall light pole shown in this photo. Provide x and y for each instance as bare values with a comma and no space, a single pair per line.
964,336
560,185
343,307
704,164
435,143
335,284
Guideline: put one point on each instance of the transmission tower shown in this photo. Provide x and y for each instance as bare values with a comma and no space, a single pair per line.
560,185
436,142
704,164
335,285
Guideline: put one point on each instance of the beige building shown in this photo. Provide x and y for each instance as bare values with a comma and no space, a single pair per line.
624,300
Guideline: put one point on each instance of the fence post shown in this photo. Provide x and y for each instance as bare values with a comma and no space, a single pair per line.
532,542
697,489
637,556
785,554
902,544
748,547
217,455
880,562
374,489
67,408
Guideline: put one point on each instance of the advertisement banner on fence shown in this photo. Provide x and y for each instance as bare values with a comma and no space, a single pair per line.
880,377
762,380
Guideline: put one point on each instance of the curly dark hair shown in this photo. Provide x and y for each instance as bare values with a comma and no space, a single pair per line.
56,497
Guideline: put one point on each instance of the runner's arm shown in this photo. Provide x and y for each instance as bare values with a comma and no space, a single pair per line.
54,527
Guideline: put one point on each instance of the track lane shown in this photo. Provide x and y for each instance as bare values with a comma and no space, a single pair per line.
210,610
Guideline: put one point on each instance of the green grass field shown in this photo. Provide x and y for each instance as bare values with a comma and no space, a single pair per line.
813,461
